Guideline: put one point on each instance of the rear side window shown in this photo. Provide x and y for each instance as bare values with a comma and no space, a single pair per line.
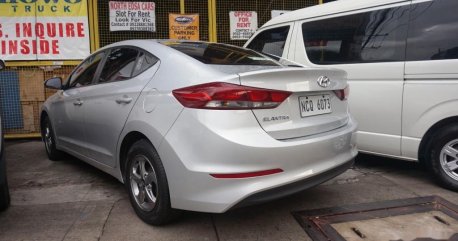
119,65
271,41
221,54
433,31
144,62
376,36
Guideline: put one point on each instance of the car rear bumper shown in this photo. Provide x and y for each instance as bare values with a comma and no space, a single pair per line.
191,151
294,187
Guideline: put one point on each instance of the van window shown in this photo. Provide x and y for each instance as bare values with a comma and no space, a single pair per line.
271,41
433,31
376,36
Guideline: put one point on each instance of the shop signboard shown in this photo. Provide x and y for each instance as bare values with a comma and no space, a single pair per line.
132,16
44,30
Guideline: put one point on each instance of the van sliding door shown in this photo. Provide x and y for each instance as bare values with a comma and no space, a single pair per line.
370,45
431,71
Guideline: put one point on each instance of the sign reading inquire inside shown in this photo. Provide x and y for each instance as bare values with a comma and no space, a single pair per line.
242,24
184,26
44,30
132,16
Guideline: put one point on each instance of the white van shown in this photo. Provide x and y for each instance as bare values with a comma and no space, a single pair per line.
402,63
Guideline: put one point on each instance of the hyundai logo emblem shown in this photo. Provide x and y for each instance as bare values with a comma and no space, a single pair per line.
323,81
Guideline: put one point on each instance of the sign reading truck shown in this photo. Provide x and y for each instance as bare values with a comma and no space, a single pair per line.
44,29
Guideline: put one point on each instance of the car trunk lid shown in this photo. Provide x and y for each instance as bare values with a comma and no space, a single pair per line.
310,109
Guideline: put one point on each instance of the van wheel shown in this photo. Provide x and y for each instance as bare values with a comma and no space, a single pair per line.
147,185
444,157
49,140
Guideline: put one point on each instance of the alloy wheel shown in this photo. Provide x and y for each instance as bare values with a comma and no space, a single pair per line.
143,181
449,159
48,138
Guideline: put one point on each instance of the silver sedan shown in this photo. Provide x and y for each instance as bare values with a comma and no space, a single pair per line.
200,126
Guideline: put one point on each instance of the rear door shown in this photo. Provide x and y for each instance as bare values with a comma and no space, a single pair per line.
124,75
369,45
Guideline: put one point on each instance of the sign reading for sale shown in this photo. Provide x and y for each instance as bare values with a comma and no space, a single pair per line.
44,30
132,16
242,24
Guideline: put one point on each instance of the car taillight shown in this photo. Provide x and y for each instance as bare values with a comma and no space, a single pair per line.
343,93
225,96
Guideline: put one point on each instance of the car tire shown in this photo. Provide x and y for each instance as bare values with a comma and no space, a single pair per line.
4,196
443,157
147,184
49,140
4,191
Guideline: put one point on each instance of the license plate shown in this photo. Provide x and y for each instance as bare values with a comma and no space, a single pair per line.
315,105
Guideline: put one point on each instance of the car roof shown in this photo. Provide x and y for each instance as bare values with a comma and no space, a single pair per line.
156,44
172,57
328,8
159,47
151,45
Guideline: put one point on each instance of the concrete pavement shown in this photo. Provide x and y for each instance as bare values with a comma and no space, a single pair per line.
70,200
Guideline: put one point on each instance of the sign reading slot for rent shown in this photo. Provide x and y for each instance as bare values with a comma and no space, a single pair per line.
132,16
242,24
44,30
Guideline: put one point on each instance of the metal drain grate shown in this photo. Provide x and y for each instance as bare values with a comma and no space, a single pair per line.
420,219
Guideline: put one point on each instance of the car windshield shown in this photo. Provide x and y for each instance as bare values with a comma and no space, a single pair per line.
221,54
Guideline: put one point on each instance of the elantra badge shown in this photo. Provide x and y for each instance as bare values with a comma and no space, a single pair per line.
323,81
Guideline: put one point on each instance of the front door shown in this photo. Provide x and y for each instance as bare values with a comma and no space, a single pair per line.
69,121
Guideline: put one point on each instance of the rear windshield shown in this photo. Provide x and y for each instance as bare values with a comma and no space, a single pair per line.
221,54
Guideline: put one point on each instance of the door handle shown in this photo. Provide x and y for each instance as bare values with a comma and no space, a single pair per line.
124,100
78,103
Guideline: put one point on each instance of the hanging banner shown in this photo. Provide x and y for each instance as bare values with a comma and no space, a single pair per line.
44,30
276,13
184,26
242,24
132,16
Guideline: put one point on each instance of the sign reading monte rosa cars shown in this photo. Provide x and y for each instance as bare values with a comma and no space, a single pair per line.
184,26
242,24
132,16
44,30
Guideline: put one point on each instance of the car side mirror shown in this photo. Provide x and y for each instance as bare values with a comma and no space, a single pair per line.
54,83
2,64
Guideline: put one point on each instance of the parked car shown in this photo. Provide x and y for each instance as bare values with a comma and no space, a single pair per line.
4,191
200,126
401,59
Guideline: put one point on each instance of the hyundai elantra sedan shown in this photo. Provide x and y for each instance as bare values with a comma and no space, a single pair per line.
200,126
